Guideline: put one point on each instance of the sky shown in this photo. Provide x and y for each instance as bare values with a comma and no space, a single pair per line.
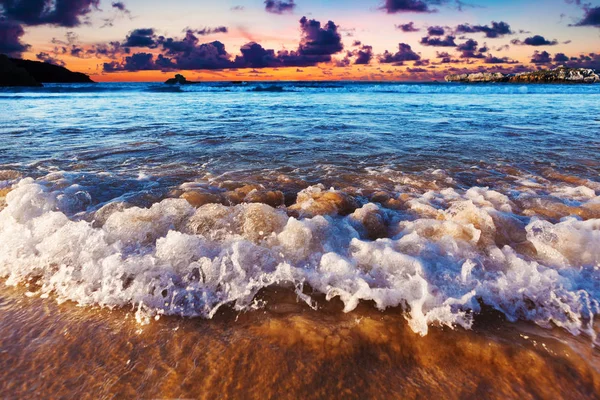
408,40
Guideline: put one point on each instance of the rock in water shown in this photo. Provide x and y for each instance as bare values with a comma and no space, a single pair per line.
478,77
179,80
558,75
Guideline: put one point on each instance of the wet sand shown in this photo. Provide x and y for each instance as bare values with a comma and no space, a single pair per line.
286,350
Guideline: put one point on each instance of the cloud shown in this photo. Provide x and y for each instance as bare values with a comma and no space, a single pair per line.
497,29
279,6
121,10
405,53
591,17
448,41
536,40
469,49
317,44
135,62
416,70
364,55
210,31
435,31
65,13
48,59
590,60
319,41
409,27
415,6
10,39
119,5
255,56
541,58
188,54
143,37
445,58
560,57
490,59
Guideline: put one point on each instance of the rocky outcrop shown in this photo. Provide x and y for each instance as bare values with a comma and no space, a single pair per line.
558,75
478,77
11,75
17,72
179,80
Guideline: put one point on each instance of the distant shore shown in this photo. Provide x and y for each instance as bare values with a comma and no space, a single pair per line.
557,75
16,72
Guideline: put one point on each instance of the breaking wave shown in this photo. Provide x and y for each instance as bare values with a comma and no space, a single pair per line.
440,254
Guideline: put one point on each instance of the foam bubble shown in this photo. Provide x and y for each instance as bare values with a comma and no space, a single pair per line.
439,257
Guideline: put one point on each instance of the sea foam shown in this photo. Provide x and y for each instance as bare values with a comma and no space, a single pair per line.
441,256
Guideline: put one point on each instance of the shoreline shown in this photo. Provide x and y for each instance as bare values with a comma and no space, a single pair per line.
286,351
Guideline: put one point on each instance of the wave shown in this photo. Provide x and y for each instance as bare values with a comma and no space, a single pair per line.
441,255
311,87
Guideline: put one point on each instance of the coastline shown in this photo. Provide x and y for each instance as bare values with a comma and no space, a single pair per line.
283,349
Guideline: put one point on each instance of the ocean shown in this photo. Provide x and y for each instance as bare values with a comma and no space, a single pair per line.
300,239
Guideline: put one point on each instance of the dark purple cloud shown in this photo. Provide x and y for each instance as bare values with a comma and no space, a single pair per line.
536,40
560,57
317,41
10,38
188,53
364,55
317,44
409,27
121,9
279,6
255,56
416,70
435,31
119,5
135,62
405,53
591,17
541,58
448,41
445,58
497,29
110,50
469,49
49,59
590,60
66,13
415,6
143,37
210,31
490,59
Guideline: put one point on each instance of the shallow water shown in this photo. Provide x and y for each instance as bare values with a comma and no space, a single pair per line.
418,208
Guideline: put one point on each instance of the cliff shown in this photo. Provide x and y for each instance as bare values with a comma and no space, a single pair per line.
558,75
11,75
17,72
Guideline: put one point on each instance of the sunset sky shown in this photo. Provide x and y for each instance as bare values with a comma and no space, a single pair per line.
145,40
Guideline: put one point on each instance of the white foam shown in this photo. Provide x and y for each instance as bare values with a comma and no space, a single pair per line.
447,253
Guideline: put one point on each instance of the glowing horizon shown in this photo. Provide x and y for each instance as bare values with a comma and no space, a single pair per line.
413,40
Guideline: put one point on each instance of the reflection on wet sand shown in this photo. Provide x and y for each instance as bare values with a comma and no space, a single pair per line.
286,351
